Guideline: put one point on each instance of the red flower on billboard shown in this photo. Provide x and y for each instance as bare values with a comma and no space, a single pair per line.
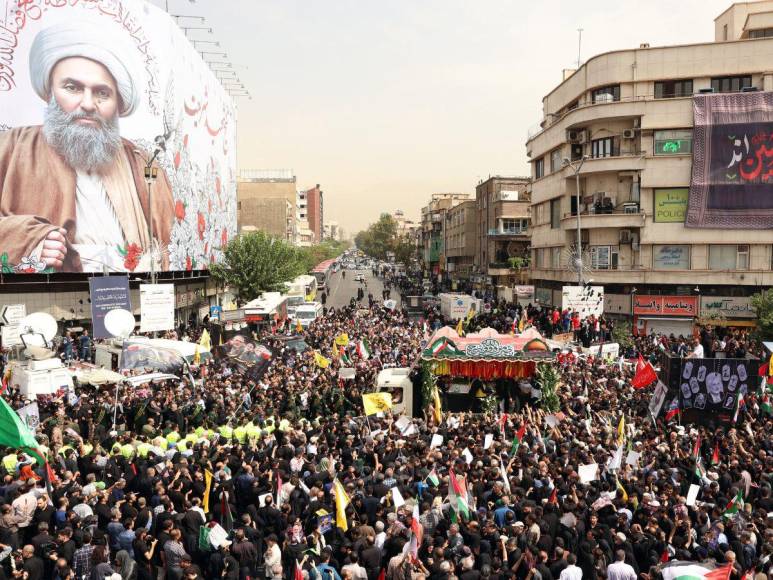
131,257
185,141
179,210
177,160
223,238
202,225
217,185
188,263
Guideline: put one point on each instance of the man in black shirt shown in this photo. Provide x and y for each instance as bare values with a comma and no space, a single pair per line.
33,565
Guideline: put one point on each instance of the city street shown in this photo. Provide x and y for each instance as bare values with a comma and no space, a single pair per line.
344,289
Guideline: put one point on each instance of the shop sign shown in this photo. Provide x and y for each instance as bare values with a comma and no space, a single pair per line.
727,306
666,305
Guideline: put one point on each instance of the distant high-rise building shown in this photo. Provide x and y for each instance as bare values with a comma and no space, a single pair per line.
315,211
266,200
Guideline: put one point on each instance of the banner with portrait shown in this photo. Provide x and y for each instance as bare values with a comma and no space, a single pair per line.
117,141
250,357
732,169
712,385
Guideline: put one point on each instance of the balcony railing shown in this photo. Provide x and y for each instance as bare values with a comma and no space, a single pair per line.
508,232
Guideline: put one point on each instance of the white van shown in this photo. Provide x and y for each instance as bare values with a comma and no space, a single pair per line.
308,313
397,382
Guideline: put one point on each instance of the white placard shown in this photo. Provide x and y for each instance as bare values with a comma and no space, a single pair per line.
30,415
552,421
586,300
488,440
437,441
10,316
217,536
616,461
156,307
588,472
397,498
692,494
467,455
633,458
402,424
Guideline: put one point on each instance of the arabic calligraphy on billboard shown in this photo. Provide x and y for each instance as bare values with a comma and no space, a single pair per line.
91,91
666,305
732,170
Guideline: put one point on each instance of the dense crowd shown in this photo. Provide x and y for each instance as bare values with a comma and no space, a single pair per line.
130,501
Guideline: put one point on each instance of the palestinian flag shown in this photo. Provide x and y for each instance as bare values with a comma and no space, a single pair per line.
673,410
715,455
693,571
457,495
345,360
14,433
734,505
518,439
765,406
696,455
433,478
502,422
363,349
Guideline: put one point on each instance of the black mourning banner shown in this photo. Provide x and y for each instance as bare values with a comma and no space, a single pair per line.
712,386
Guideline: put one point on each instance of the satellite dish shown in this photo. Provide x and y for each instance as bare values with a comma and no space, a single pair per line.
119,322
37,326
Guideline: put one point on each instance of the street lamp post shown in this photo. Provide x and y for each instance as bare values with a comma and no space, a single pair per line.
151,173
576,167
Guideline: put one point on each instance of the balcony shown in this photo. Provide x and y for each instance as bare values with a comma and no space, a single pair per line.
627,216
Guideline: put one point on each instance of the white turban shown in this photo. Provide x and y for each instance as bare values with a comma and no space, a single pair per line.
94,41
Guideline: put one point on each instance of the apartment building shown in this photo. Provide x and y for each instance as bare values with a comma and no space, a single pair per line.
623,123
502,231
316,209
266,200
459,233
432,248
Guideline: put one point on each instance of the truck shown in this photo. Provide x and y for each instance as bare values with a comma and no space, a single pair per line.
398,383
108,355
455,306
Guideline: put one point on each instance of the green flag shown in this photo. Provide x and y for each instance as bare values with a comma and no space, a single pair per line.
14,433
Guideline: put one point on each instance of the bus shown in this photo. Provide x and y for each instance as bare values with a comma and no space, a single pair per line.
322,273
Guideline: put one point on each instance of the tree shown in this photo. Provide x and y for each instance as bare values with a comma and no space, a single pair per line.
763,307
382,237
255,262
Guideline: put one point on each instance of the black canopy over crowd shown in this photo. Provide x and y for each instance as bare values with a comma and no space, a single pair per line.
129,502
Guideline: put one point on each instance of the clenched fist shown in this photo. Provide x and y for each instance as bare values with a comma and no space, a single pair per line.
54,249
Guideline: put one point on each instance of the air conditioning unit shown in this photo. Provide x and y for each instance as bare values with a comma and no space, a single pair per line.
635,242
583,137
572,136
629,134
625,236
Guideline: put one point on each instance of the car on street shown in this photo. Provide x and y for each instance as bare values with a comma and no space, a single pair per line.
359,277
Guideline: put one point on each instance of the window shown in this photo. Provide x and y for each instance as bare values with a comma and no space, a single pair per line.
555,258
539,168
762,33
603,147
555,160
730,84
238,205
724,32
573,105
604,257
671,89
606,94
729,257
670,257
513,226
674,142
555,213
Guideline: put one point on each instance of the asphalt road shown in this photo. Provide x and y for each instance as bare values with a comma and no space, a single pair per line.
344,289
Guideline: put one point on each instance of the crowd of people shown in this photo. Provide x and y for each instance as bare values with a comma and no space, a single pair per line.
141,491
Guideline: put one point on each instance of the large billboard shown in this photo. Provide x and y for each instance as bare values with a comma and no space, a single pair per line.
92,91
732,170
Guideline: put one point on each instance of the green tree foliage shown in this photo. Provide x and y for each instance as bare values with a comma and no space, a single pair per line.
382,237
763,307
327,250
256,262
547,378
622,334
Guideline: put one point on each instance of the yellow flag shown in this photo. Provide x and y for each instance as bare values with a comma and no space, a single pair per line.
521,323
470,314
437,406
298,326
197,356
334,350
206,340
221,338
622,491
320,360
342,339
207,490
460,328
621,431
342,501
376,402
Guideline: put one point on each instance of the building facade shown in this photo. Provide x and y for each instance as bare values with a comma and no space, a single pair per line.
267,200
432,249
459,242
628,117
315,211
502,232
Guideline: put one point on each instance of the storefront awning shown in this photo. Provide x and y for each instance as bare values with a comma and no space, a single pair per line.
728,323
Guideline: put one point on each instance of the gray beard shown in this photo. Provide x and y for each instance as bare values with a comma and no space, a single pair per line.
84,147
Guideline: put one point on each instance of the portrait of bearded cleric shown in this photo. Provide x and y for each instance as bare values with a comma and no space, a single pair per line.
73,195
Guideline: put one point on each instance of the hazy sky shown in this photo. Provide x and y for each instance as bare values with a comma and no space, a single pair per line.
384,103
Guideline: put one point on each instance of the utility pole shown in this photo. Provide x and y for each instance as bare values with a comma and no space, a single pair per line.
579,48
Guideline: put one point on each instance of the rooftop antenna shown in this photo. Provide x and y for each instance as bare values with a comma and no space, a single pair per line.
579,48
